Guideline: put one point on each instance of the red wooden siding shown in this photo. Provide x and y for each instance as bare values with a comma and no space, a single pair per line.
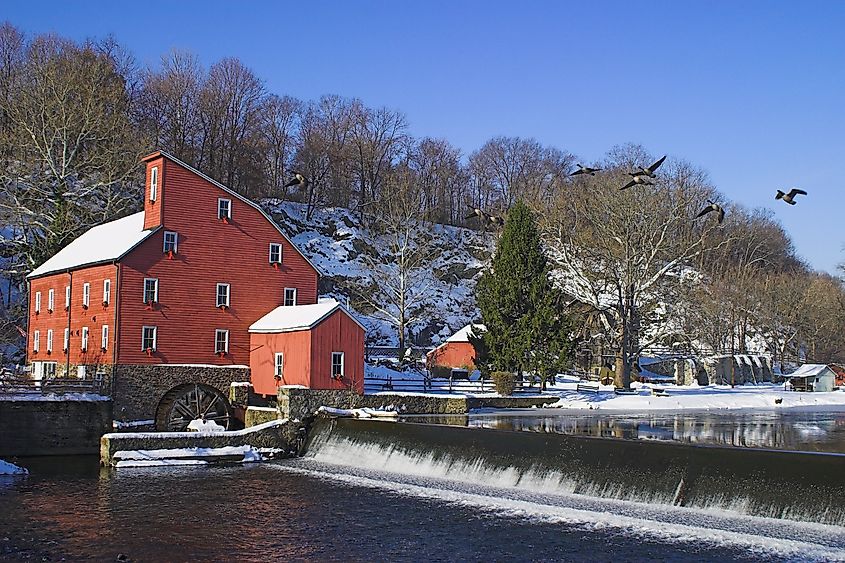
296,346
94,316
209,252
453,355
337,333
308,356
153,209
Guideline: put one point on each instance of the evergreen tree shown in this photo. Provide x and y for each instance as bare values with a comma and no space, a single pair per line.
525,329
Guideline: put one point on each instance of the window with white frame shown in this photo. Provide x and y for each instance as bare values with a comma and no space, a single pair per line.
51,300
153,183
275,253
221,341
36,341
106,292
279,365
222,294
67,340
37,302
67,297
49,340
150,290
84,338
337,365
86,294
149,338
171,241
224,208
104,341
290,296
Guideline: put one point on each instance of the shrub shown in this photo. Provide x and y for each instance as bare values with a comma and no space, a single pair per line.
505,382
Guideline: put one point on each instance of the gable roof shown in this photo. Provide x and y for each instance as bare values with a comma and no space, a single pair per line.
236,195
809,370
462,335
298,317
98,245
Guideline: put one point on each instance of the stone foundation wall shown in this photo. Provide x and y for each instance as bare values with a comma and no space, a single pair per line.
53,427
137,390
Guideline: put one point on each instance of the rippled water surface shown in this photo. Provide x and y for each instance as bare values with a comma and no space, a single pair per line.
69,509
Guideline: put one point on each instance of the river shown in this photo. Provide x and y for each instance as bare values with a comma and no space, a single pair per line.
335,505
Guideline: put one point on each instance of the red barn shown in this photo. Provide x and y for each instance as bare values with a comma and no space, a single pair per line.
160,303
320,346
457,350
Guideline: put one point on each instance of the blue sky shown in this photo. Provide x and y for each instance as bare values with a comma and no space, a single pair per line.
750,91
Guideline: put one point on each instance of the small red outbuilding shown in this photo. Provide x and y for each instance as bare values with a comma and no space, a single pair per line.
457,350
319,346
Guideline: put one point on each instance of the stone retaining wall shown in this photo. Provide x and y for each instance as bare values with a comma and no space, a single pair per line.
53,427
137,390
281,434
298,403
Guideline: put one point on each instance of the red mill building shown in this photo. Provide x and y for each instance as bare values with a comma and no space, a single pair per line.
162,302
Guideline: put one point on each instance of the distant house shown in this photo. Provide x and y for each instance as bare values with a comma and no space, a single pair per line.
457,351
812,377
840,374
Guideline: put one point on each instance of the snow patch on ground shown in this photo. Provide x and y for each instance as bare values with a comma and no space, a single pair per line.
710,397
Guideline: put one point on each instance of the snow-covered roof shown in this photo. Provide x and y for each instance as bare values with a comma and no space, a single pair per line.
298,317
808,370
463,334
103,243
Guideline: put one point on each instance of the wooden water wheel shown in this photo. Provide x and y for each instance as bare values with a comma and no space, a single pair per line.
186,403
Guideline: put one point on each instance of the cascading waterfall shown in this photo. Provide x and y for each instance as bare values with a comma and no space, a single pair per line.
797,486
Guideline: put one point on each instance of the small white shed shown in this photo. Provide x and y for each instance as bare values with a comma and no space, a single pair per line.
812,377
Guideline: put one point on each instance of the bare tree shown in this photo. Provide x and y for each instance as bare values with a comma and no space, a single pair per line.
169,108
401,275
230,104
281,120
75,150
376,138
625,253
506,169
441,179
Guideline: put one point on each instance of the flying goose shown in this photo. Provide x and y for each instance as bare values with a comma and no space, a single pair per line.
649,172
298,179
496,220
585,170
637,181
713,207
790,197
476,212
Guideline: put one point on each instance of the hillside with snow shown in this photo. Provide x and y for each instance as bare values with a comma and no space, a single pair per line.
344,249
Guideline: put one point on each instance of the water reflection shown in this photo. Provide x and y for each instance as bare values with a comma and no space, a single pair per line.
823,432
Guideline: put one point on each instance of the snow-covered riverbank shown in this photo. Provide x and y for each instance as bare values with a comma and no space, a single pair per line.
710,397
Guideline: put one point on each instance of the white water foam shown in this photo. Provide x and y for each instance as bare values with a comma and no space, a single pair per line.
610,521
